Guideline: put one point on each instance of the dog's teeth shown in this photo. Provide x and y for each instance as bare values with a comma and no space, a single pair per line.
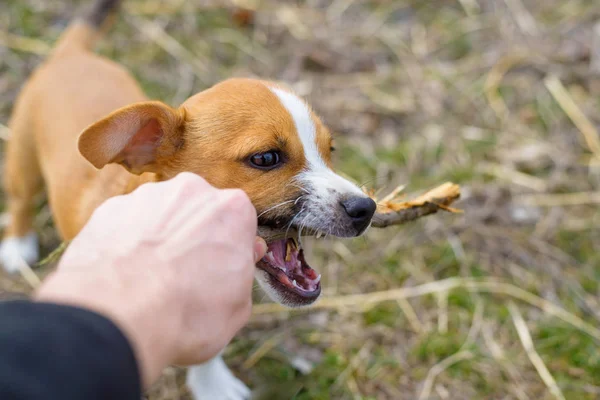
288,252
295,284
284,279
319,234
318,279
270,256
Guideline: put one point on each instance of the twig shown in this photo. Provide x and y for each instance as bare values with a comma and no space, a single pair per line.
4,132
247,4
411,315
442,302
494,79
357,302
476,324
26,44
28,275
471,7
532,354
514,176
289,17
354,389
389,102
559,199
498,355
523,17
152,7
55,255
353,364
396,213
241,42
259,353
393,194
595,50
439,368
568,105
337,8
171,46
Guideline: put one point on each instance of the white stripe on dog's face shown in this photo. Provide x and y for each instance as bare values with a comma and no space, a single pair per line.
305,127
326,189
316,169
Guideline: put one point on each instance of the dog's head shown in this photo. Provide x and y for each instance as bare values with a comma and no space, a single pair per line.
248,134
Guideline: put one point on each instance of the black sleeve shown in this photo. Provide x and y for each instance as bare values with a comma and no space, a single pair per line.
50,351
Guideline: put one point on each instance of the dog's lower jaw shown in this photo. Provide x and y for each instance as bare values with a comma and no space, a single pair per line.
214,381
263,279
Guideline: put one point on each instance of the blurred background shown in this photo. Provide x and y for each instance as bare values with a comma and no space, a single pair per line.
499,96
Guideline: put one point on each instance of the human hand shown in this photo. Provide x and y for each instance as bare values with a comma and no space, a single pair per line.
172,264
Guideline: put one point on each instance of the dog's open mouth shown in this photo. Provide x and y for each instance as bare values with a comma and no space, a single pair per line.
288,270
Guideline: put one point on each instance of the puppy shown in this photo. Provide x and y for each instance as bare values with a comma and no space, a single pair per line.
84,129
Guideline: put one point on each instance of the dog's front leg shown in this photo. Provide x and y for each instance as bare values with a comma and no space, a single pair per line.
214,381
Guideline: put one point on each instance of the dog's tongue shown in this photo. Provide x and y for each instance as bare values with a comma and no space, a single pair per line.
286,256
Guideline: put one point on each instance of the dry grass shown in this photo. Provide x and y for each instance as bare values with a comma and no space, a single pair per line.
495,95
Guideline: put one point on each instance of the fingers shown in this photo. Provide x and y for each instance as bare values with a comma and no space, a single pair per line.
260,249
154,198
166,195
186,182
239,213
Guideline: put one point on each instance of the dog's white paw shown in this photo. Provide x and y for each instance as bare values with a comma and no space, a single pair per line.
15,250
214,381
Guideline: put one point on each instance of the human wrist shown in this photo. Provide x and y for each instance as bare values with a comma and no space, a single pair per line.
130,311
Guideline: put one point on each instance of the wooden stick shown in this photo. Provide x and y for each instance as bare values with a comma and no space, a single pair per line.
390,212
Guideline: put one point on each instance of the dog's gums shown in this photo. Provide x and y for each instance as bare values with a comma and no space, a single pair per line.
288,271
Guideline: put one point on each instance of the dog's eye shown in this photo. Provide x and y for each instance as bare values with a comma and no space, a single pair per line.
267,160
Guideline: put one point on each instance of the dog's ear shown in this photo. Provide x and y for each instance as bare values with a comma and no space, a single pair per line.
139,137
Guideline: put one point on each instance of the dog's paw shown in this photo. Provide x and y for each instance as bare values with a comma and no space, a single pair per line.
15,250
214,381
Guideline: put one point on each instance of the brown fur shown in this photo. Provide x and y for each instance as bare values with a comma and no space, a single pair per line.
213,134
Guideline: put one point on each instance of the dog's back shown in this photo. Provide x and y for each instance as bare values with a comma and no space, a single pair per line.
72,89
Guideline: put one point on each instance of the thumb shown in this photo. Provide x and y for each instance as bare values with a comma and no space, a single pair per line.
260,248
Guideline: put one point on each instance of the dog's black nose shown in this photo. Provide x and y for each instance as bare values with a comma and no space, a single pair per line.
360,210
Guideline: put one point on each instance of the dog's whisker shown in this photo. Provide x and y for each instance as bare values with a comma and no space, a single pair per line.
276,206
302,225
301,188
292,221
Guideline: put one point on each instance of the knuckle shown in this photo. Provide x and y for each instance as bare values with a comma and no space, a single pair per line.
187,183
238,200
239,196
185,176
188,180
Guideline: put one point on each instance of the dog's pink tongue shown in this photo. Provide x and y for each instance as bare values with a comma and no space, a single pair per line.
284,254
277,250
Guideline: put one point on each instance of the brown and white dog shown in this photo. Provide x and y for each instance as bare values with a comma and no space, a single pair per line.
83,128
